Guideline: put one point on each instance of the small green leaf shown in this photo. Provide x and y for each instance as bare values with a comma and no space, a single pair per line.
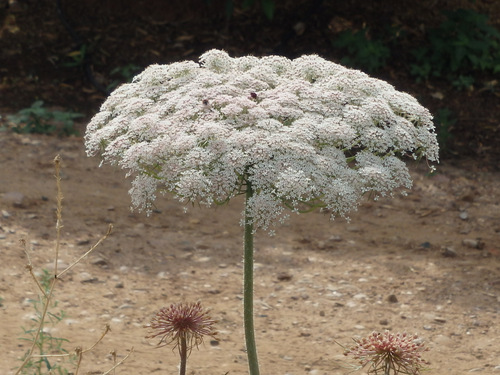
268,7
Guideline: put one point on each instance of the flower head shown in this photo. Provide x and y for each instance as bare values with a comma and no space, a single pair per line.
182,322
387,353
303,133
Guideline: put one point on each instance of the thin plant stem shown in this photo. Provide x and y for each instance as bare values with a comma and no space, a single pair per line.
118,363
57,165
29,267
48,293
253,362
39,329
183,354
79,355
110,228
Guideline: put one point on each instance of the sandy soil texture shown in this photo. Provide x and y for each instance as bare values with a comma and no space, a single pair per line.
428,263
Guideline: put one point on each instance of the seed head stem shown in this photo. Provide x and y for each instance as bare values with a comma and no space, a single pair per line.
183,351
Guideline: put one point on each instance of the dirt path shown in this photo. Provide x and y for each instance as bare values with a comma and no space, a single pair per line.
428,263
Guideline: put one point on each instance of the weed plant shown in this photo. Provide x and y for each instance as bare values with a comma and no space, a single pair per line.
444,120
463,46
76,58
361,51
122,74
45,349
268,7
46,343
38,119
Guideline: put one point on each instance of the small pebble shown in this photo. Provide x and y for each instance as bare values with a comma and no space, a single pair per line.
425,245
87,278
352,228
335,238
448,252
98,261
15,198
284,276
392,298
473,243
359,296
321,245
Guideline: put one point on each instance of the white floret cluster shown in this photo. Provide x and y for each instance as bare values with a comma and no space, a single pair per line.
302,133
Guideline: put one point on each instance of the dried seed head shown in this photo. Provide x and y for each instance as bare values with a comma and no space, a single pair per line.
388,353
182,321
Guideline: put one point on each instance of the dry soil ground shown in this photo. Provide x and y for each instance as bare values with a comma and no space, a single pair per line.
428,263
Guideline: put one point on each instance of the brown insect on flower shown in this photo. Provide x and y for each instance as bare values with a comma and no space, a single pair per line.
387,353
184,324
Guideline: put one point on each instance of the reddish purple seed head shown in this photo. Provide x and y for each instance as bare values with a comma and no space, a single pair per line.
181,321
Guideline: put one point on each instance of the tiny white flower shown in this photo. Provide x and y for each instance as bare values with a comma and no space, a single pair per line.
301,133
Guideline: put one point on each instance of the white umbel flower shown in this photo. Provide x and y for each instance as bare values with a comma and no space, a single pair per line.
303,133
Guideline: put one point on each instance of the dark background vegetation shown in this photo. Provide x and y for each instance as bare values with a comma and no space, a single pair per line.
66,55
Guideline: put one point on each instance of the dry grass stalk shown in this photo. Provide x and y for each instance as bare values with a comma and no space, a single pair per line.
48,293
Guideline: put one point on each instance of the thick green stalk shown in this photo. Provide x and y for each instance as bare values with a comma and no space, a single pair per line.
253,362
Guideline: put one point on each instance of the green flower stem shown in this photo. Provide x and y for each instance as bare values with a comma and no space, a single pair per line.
253,362
183,354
